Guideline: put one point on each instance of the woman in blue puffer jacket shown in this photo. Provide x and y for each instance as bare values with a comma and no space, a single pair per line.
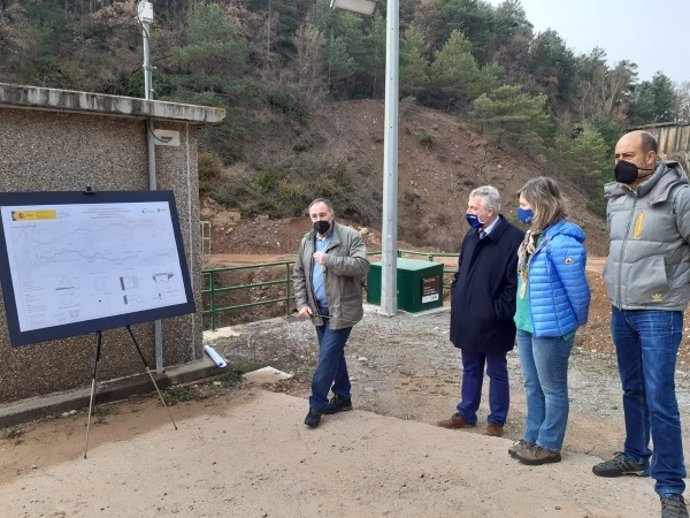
552,302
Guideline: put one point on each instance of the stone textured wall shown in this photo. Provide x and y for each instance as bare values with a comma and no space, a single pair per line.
65,151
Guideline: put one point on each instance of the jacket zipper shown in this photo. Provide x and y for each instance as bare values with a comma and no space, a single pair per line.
311,270
619,298
539,248
330,246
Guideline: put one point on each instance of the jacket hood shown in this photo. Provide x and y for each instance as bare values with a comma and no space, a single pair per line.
667,175
566,228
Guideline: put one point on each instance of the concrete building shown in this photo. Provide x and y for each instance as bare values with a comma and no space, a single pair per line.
58,140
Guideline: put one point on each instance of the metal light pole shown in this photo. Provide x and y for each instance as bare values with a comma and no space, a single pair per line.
145,17
389,226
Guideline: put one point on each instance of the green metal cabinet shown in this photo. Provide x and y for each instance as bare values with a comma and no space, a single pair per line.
420,284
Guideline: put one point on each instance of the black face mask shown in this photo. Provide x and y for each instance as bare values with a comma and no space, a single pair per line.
322,226
627,172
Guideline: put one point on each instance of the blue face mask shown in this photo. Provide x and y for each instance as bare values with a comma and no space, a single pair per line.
474,221
525,215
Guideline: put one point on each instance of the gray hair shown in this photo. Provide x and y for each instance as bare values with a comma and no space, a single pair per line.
325,201
491,199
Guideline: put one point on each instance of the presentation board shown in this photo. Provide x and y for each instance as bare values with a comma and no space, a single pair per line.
79,262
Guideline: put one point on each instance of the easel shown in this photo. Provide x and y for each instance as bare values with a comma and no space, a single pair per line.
97,357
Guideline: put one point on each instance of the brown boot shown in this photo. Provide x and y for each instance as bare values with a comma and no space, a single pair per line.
494,430
536,455
454,421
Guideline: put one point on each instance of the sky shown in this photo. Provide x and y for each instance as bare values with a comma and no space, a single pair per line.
655,35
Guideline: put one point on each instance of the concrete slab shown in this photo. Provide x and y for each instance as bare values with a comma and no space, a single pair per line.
54,99
255,457
223,332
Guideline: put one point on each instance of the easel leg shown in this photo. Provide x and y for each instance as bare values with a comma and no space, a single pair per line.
97,357
136,344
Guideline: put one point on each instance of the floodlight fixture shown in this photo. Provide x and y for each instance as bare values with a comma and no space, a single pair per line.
145,12
356,6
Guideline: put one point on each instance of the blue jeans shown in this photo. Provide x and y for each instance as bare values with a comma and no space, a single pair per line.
331,371
544,362
472,379
646,345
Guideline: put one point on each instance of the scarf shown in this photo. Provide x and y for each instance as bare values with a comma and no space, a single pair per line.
527,248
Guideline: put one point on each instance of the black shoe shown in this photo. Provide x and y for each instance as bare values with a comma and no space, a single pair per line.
338,405
673,506
313,418
619,466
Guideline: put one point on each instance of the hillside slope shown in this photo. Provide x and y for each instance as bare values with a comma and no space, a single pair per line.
441,159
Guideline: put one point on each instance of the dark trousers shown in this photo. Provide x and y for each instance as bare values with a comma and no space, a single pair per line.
331,371
472,380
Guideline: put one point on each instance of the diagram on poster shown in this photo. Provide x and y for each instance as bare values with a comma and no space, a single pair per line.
96,262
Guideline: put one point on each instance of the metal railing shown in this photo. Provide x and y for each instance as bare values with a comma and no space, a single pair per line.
213,288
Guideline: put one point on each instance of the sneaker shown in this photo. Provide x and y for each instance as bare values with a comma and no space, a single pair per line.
536,455
519,446
619,465
673,506
313,418
454,421
338,405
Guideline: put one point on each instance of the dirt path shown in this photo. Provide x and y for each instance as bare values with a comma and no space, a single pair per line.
250,455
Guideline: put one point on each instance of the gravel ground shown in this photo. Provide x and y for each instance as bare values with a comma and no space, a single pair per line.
405,367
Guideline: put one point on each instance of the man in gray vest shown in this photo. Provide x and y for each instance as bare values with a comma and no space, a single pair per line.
647,278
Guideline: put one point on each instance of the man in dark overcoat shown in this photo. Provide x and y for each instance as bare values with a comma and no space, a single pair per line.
482,309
